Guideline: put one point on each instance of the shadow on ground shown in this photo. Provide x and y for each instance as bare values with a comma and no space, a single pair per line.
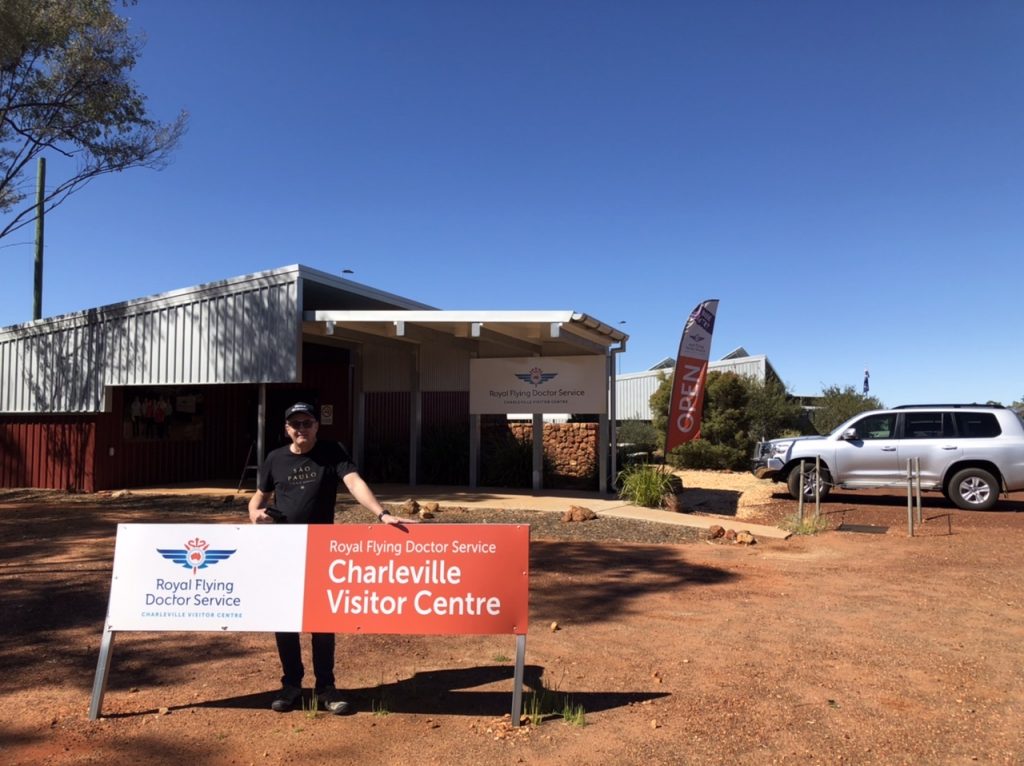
443,692
721,502
598,582
897,498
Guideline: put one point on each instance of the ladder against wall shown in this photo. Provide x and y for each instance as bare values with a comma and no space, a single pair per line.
249,466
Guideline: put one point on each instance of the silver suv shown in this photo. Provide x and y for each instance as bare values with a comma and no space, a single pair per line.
969,452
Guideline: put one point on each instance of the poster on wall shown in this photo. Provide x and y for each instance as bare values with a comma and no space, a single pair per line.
538,384
162,413
327,414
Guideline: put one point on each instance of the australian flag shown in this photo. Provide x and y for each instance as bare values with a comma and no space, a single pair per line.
867,386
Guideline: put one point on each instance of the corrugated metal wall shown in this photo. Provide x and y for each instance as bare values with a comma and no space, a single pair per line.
386,440
446,408
55,453
91,452
387,367
228,427
444,369
633,395
751,367
444,395
444,447
325,371
247,334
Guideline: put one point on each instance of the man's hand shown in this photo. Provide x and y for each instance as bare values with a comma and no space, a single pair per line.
258,504
259,516
387,518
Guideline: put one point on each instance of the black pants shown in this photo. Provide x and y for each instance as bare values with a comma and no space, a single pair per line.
290,652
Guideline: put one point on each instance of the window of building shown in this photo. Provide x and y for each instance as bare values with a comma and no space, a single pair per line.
168,412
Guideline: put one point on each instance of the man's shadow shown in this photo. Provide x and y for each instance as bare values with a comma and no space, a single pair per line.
447,692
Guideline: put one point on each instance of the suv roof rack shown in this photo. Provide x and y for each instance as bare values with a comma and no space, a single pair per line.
916,406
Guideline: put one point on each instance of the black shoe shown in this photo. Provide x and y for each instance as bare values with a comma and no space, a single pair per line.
285,699
331,701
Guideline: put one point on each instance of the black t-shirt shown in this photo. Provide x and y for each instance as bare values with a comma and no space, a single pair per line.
306,486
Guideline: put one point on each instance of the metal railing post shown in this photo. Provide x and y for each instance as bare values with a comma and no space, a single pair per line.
910,499
917,486
800,499
817,487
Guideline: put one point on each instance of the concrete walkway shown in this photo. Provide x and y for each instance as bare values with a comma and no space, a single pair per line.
559,501
553,501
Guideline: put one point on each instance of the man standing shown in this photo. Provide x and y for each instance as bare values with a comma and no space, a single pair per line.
303,477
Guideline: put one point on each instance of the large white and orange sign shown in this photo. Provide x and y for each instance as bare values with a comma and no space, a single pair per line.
343,578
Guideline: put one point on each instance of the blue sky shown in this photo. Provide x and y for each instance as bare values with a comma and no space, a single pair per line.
846,178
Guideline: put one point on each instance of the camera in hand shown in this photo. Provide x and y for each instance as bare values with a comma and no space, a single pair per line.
276,515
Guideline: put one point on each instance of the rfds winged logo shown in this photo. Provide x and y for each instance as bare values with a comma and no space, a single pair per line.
195,555
536,376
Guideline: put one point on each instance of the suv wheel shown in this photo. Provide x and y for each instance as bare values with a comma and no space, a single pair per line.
974,489
824,485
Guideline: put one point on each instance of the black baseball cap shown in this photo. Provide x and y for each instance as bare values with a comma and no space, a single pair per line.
301,408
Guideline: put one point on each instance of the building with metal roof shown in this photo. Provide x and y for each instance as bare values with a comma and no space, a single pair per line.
633,390
181,386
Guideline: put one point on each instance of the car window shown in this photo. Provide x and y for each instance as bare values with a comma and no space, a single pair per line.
924,425
876,426
977,425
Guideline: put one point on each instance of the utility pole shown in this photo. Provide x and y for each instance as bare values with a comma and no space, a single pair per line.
37,296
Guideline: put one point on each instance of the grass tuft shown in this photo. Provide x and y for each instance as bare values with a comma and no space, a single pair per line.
312,708
809,526
573,714
379,706
646,485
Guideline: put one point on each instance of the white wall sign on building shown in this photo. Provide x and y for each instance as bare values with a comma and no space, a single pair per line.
574,384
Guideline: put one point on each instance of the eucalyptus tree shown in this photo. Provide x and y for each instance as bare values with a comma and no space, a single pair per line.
66,90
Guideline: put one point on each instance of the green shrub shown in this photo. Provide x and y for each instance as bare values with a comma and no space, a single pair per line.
444,455
837,404
701,454
507,462
635,438
647,485
738,411
638,434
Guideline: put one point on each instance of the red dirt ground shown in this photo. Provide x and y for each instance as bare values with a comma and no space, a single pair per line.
864,647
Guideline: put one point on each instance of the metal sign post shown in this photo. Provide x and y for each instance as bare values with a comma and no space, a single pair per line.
517,689
99,686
